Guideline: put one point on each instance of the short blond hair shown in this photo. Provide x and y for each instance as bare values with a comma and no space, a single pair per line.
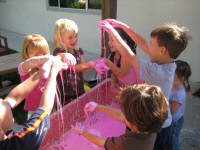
67,27
34,42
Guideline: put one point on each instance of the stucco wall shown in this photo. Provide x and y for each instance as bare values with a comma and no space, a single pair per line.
26,17
32,16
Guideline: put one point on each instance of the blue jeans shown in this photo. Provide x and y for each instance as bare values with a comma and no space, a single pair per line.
176,131
163,139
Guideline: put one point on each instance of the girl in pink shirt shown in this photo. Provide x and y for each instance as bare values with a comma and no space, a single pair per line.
123,73
35,53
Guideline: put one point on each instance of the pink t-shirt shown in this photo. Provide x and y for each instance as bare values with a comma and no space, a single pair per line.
131,77
33,99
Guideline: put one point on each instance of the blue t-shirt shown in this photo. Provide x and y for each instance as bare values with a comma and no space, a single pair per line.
178,96
31,136
159,75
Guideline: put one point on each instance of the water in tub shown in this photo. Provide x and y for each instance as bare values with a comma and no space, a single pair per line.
98,124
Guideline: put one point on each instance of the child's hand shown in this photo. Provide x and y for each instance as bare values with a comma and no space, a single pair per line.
68,58
105,60
77,129
58,64
115,23
56,61
91,64
100,65
90,107
106,26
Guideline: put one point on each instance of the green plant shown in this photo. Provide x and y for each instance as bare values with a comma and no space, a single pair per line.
95,5
78,5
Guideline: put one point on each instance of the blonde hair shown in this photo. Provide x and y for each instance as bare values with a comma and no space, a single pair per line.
34,42
67,27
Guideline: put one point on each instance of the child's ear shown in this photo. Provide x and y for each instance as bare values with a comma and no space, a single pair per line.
163,50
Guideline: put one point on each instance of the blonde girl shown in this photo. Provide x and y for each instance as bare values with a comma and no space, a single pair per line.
70,82
35,53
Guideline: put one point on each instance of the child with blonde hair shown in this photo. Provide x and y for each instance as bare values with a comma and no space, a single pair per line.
36,55
70,82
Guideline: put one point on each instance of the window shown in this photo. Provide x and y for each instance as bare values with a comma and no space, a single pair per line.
76,4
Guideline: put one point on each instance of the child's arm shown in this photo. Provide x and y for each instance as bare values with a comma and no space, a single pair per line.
35,62
174,106
112,112
100,141
122,47
19,93
120,72
84,67
48,96
113,78
91,106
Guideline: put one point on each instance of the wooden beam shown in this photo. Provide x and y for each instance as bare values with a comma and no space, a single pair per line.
109,10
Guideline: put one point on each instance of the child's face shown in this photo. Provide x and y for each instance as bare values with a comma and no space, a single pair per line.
36,52
112,45
6,116
155,50
70,41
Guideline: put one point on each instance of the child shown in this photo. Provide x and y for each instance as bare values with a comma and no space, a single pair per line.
34,131
144,110
123,73
35,53
167,42
70,82
177,100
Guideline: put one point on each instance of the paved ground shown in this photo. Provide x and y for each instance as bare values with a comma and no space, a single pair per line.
190,138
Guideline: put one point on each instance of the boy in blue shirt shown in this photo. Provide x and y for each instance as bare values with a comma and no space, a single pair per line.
167,43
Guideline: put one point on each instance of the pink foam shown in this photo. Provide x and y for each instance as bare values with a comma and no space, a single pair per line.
60,136
100,124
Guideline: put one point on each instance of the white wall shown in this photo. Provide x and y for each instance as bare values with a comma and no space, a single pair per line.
31,16
144,15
